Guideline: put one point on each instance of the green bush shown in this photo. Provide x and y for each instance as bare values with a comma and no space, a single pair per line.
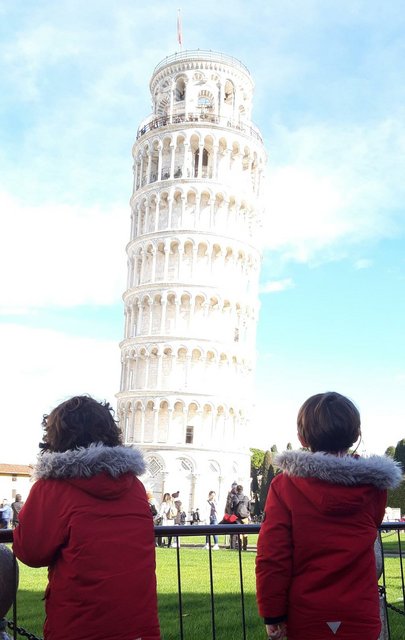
396,497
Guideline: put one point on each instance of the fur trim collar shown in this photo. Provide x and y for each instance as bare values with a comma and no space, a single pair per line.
380,471
86,462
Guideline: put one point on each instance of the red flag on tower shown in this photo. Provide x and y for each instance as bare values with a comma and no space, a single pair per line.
179,31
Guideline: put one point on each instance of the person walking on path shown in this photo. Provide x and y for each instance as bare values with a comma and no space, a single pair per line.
315,565
88,519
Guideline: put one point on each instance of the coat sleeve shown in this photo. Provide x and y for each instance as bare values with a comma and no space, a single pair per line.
274,557
42,528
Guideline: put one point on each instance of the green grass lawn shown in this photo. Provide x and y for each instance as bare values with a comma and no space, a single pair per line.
196,595
391,541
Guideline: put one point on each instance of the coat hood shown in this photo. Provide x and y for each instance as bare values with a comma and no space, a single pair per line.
106,472
347,470
86,462
338,484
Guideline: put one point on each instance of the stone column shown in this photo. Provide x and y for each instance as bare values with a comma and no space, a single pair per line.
155,424
160,148
200,160
183,198
150,307
154,258
215,162
140,318
163,318
142,254
157,215
186,160
148,170
147,209
172,90
172,157
141,172
166,265
134,169
169,215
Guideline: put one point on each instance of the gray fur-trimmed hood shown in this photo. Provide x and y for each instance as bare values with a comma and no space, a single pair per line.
86,462
347,470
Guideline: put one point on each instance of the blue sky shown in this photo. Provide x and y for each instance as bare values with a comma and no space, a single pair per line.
329,100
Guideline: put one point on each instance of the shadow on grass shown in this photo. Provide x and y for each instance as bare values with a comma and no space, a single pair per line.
197,622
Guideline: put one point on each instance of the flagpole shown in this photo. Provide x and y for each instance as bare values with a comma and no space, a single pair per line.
179,30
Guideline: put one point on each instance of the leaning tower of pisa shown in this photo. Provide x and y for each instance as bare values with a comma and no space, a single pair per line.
191,302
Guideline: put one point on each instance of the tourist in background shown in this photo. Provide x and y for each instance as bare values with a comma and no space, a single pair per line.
167,512
241,509
230,498
211,517
233,539
323,588
16,507
5,515
87,518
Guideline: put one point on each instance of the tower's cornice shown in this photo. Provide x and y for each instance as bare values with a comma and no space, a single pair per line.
204,58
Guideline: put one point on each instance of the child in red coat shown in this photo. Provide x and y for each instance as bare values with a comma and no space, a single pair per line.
315,567
88,519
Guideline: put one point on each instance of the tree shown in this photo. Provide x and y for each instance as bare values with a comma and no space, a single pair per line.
390,452
289,446
256,459
274,448
399,454
267,477
254,486
396,497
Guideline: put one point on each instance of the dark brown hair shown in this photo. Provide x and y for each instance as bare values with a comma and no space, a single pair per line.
79,422
328,422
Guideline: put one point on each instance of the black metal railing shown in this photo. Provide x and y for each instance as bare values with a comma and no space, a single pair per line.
181,534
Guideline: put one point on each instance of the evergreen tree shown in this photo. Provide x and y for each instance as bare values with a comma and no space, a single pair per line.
399,455
267,477
274,448
289,446
390,452
254,486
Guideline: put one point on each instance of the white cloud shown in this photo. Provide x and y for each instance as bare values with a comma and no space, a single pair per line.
274,286
363,263
39,370
330,188
60,255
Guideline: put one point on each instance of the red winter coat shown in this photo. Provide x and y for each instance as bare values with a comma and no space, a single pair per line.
87,518
315,563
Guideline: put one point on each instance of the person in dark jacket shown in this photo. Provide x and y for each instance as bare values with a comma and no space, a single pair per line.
315,566
16,507
241,509
88,519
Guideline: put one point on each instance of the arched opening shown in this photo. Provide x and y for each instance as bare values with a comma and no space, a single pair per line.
180,90
229,93
205,157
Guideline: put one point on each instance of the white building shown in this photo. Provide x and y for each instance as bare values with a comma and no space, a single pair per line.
191,303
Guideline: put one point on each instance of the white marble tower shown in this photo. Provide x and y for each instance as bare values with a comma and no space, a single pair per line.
191,303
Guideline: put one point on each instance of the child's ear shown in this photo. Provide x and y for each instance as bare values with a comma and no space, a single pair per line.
302,440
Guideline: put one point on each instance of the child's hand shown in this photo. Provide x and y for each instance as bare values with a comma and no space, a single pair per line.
276,631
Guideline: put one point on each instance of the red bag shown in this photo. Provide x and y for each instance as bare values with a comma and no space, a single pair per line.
229,518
